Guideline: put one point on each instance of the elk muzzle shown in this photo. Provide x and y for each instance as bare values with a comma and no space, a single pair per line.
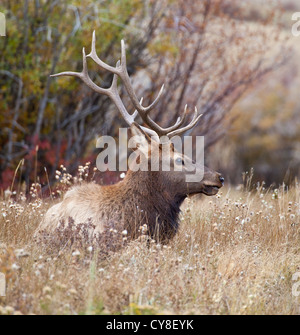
212,183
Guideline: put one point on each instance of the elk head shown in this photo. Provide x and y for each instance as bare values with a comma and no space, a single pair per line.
171,168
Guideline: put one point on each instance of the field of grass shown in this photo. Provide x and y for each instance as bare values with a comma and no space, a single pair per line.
235,253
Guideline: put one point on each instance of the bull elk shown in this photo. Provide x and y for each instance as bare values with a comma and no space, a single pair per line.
142,197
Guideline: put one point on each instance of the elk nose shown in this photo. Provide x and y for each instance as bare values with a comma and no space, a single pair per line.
222,179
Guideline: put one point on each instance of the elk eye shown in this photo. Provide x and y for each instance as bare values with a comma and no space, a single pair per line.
179,161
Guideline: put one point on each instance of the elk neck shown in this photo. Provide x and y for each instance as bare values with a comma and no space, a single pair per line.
160,202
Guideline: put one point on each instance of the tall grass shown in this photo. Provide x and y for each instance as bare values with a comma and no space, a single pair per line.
235,253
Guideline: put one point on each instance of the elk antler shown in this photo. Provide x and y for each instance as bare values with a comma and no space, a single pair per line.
121,70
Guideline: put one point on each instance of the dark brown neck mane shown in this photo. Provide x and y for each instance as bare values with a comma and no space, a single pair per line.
156,204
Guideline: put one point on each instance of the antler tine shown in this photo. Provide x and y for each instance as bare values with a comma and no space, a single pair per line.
123,56
84,76
170,130
179,121
98,61
114,95
192,124
123,73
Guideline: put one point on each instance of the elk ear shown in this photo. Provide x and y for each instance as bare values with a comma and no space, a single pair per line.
138,138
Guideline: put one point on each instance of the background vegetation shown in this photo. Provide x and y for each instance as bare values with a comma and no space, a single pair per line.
207,53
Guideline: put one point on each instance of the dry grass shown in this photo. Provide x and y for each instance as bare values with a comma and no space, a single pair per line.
235,254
